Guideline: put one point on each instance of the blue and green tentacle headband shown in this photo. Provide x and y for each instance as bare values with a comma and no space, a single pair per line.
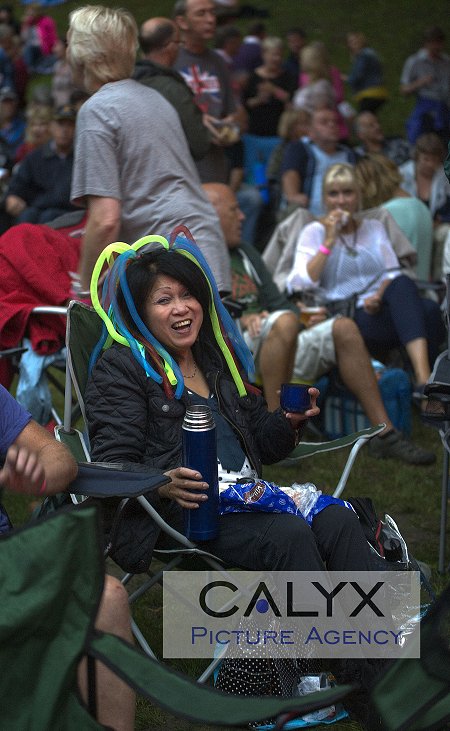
117,256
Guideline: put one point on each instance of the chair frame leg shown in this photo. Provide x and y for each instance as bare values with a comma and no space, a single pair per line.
444,499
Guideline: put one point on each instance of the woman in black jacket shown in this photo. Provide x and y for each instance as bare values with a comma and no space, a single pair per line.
169,310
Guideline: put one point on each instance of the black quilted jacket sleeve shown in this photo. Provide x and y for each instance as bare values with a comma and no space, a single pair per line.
116,408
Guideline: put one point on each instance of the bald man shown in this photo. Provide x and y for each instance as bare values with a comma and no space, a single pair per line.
159,40
270,325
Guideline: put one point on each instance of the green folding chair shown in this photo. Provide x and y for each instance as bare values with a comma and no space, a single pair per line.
51,576
51,579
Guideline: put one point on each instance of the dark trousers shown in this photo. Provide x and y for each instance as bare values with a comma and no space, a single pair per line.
284,542
404,316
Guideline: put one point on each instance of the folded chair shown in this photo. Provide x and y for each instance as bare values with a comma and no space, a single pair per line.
51,582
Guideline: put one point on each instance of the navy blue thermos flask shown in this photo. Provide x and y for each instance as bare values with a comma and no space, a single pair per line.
200,453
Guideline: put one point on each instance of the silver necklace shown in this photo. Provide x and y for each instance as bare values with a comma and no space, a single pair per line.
193,374
350,248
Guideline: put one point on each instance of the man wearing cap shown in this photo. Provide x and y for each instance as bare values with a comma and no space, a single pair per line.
12,124
40,189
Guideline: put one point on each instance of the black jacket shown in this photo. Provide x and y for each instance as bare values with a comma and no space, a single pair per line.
131,420
171,85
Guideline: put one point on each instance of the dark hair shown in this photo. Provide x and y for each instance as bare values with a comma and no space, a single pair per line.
433,34
226,33
296,30
158,38
141,276
429,144
78,96
179,8
257,28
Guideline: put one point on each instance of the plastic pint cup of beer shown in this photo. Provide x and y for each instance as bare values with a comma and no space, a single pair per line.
307,312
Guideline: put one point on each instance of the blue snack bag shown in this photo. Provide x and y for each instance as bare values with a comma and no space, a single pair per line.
267,497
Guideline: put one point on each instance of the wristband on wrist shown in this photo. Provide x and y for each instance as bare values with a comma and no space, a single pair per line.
324,250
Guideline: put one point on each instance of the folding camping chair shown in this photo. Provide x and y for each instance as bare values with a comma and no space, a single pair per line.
35,395
83,332
437,414
49,602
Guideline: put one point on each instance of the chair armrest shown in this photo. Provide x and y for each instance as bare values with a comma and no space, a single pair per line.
105,479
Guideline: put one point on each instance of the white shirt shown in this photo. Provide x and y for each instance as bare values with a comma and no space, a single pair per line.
358,262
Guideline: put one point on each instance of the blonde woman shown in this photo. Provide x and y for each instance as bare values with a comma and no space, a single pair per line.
321,85
352,259
380,183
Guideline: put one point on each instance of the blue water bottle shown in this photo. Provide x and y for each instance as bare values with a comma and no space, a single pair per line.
200,453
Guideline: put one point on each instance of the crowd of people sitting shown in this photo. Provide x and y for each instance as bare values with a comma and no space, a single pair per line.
263,116
220,138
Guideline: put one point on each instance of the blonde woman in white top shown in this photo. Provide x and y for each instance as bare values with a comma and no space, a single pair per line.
352,260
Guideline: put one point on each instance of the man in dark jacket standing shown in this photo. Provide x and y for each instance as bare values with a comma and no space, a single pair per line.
159,40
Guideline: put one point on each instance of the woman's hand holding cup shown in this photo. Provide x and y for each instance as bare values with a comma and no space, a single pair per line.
299,402
333,222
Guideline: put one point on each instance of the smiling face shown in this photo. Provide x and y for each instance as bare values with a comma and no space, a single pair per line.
173,315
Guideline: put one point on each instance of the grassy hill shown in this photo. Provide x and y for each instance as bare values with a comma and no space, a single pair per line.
393,28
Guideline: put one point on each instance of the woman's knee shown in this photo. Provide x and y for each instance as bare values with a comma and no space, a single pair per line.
290,545
336,520
401,287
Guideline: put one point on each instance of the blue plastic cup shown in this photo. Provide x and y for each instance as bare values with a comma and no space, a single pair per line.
294,397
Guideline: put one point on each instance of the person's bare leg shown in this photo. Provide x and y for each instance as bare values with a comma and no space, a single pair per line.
276,357
115,699
355,369
418,354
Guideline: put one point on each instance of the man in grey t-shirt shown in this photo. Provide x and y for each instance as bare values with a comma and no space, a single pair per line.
132,166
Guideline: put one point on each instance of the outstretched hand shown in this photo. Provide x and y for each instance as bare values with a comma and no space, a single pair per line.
22,471
184,487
